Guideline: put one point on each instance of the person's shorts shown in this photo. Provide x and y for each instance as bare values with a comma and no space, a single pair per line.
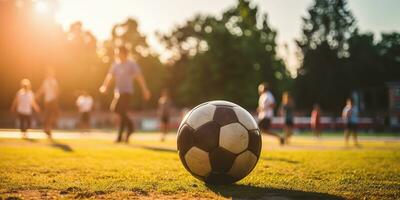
51,109
85,117
165,119
289,122
351,126
264,124
121,104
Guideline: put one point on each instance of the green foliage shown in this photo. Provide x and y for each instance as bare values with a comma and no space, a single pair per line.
322,76
225,58
338,60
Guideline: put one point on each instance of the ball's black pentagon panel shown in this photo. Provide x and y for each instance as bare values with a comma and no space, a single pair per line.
185,139
255,142
221,160
219,178
206,137
224,115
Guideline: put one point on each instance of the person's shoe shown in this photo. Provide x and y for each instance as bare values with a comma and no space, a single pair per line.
281,141
49,136
117,141
128,135
162,139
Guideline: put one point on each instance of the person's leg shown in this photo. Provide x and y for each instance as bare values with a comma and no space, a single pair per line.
355,138
121,127
288,133
22,128
28,122
164,125
129,126
87,122
271,133
346,136
50,117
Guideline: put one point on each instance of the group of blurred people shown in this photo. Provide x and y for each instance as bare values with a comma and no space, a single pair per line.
267,105
124,71
25,102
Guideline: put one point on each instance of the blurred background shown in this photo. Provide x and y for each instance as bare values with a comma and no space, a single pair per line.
321,51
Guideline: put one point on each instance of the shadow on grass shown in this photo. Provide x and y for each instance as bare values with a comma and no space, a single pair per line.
281,160
155,148
29,139
61,146
253,192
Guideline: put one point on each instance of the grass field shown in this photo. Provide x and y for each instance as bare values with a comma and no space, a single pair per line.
146,168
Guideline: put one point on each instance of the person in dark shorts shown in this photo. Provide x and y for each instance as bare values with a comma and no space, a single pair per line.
266,105
286,110
50,92
315,122
124,71
164,112
24,103
350,118
84,103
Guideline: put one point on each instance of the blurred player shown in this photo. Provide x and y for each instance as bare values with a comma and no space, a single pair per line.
164,112
316,120
287,110
266,105
124,71
23,104
50,91
350,117
84,103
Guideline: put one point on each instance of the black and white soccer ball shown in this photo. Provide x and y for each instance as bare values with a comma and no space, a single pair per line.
219,142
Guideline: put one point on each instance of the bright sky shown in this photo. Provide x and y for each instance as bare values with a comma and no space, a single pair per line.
99,16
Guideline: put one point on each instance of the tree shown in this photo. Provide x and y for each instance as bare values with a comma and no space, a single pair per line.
29,42
224,58
322,75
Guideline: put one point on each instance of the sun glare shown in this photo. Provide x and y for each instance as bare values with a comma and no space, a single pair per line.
41,7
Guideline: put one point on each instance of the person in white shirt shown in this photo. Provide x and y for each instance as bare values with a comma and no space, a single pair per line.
84,104
266,105
350,117
50,92
24,104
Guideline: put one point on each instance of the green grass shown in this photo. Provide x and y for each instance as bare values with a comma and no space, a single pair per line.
307,169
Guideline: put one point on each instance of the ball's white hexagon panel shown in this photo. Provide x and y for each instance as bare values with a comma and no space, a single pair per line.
201,115
234,138
245,118
198,161
243,164
222,103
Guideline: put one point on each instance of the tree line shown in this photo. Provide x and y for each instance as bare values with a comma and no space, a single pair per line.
223,57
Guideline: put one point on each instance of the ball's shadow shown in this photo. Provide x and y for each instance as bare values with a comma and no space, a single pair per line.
237,191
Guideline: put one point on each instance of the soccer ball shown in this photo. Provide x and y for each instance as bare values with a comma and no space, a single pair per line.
219,142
